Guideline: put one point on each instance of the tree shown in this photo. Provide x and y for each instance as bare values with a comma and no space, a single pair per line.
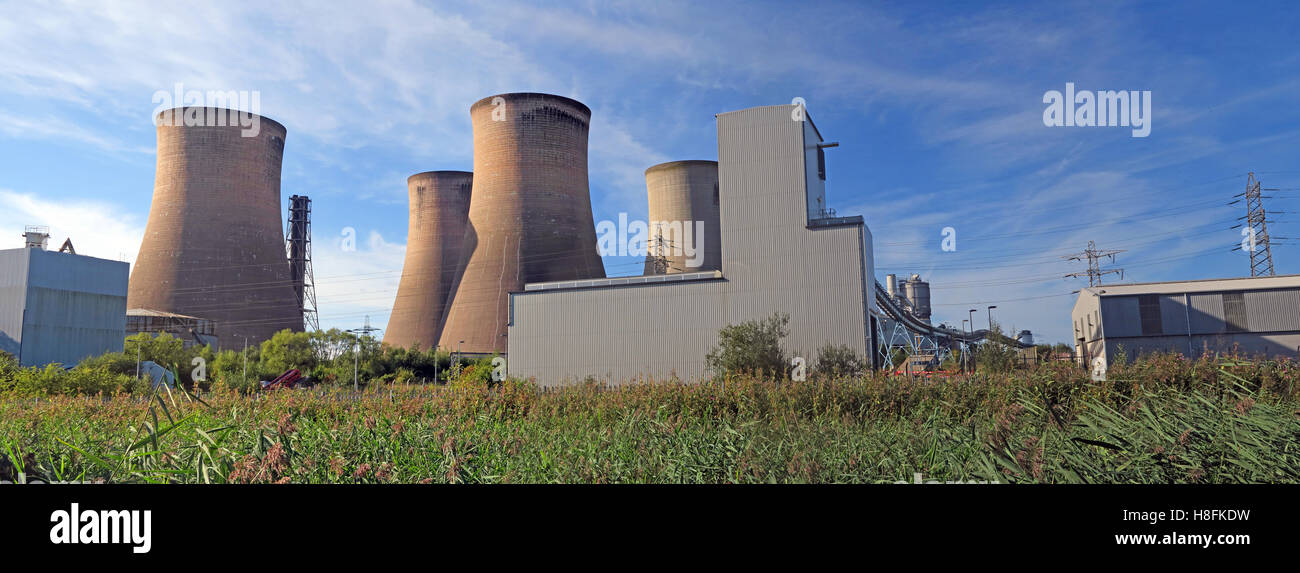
997,353
228,367
286,350
163,349
751,346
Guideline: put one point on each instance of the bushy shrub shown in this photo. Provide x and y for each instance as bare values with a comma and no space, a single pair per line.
838,360
997,353
752,346
54,379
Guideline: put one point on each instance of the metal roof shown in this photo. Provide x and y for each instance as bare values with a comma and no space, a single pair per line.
623,281
1200,285
158,313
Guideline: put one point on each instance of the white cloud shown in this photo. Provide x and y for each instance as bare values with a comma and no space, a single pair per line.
96,228
351,284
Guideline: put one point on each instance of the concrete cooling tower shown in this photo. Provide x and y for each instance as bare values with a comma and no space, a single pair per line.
529,214
439,207
214,246
685,235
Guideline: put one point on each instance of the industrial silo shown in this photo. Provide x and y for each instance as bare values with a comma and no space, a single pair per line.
530,212
917,292
684,224
439,215
213,246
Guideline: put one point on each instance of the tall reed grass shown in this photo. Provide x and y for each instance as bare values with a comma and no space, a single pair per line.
1162,419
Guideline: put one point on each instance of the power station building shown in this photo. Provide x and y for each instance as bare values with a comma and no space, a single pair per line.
1257,316
779,253
439,216
58,307
529,212
214,246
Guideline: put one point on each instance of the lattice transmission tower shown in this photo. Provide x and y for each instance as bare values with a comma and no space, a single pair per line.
1094,256
1261,253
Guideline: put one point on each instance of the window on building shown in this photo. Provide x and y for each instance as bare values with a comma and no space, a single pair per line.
1149,311
1234,312
715,194
821,163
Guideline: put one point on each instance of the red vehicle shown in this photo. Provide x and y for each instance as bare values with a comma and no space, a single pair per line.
287,380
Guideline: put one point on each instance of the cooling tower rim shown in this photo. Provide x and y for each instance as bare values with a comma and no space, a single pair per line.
681,163
451,173
226,109
532,95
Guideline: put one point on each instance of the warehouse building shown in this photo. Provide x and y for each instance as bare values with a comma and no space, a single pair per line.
780,253
58,307
1257,316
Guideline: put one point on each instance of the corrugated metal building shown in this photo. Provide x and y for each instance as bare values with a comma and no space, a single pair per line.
60,307
1258,315
192,331
779,254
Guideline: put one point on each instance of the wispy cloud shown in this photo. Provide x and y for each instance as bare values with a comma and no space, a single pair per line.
96,228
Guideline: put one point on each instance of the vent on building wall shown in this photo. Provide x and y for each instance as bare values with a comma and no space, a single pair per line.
1234,312
1149,310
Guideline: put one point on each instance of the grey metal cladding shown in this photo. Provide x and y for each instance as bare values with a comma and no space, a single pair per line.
1207,313
1120,316
1173,314
1273,310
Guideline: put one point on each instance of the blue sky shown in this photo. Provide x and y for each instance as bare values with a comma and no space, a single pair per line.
937,108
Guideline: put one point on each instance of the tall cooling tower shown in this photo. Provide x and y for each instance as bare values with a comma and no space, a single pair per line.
684,221
529,215
213,247
439,216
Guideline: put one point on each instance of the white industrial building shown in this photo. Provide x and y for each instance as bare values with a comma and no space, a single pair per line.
780,253
60,307
1257,316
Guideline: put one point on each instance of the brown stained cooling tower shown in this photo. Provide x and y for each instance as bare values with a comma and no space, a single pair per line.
439,216
214,246
684,222
530,213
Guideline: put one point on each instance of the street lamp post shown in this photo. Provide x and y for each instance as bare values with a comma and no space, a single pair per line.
456,363
991,316
137,358
970,345
964,346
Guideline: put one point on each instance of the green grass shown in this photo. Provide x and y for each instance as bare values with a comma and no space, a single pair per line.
1162,420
